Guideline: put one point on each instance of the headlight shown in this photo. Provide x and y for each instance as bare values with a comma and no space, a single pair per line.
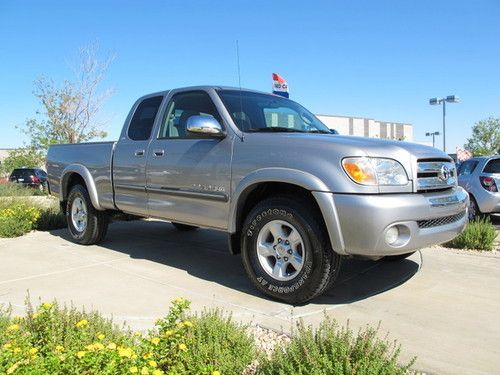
375,171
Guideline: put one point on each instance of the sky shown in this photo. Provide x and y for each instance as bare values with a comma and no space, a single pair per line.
376,59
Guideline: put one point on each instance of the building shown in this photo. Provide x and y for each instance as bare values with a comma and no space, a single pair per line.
367,127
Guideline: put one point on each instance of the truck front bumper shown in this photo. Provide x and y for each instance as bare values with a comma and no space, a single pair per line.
361,224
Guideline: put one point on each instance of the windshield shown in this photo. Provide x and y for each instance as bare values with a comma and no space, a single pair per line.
254,112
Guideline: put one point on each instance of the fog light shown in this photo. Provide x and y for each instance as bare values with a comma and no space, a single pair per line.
392,235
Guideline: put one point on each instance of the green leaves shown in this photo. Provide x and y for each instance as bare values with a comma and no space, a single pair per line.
485,138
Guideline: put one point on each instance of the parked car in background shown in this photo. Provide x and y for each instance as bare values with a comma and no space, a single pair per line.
31,177
480,176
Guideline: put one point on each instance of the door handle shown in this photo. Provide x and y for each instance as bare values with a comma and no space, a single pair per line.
139,153
158,153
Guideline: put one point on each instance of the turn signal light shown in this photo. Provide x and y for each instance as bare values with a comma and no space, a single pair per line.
360,170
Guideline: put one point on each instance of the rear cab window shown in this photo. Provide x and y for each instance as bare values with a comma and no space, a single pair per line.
142,122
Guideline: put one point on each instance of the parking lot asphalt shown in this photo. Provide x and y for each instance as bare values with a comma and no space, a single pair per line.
441,305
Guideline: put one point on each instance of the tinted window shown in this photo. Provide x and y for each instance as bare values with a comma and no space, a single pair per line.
180,108
493,166
261,112
22,173
144,118
467,167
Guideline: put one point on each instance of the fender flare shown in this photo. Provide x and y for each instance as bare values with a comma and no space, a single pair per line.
283,175
84,173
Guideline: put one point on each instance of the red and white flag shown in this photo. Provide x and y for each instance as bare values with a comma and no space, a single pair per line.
463,154
280,87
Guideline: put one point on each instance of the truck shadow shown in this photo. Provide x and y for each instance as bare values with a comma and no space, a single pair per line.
204,254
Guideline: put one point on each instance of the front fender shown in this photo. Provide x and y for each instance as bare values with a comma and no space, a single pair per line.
283,175
83,172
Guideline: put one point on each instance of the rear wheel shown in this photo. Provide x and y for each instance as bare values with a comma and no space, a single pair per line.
285,251
86,225
184,227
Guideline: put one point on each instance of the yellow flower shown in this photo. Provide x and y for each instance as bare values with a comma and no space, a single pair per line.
169,333
12,368
133,369
81,354
152,364
125,352
13,327
187,323
155,340
215,373
147,355
137,334
60,348
111,346
179,300
182,347
82,323
98,346
157,372
35,315
101,336
33,351
17,350
47,306
62,357
144,371
7,346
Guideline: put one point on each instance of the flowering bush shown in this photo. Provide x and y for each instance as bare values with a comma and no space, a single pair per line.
18,219
54,340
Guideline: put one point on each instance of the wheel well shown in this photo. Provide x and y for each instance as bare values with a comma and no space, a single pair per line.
258,192
70,181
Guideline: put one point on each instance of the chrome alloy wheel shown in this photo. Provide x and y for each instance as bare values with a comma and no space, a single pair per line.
280,250
79,214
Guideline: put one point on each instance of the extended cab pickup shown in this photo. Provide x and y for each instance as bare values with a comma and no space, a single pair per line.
293,197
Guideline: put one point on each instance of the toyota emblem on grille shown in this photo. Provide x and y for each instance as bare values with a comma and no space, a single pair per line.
445,173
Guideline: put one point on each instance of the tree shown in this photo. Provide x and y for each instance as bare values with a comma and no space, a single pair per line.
71,109
21,157
485,138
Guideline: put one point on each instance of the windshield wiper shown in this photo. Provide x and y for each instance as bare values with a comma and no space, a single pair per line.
276,129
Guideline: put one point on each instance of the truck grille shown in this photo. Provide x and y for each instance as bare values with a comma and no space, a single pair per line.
440,221
435,175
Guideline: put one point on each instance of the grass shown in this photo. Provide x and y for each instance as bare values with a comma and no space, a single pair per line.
479,234
12,189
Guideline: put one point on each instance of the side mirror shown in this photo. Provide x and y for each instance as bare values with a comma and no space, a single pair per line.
206,125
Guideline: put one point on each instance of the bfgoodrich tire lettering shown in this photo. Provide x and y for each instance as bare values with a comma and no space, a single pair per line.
96,222
320,264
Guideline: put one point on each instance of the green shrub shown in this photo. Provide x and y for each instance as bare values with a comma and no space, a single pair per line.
479,234
218,343
18,219
332,350
54,340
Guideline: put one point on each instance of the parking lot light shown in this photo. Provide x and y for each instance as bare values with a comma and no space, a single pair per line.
443,101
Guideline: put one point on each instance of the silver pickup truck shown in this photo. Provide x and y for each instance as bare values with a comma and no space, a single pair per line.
293,197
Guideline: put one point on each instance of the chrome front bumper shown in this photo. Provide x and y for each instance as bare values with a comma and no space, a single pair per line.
357,224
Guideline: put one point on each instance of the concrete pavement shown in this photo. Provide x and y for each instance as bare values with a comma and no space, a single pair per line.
441,305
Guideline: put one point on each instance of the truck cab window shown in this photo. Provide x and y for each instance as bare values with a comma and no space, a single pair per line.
144,118
181,107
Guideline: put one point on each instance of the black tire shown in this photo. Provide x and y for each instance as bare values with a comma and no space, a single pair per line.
97,221
184,227
474,211
321,264
395,258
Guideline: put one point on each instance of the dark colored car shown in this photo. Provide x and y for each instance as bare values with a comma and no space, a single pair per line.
32,177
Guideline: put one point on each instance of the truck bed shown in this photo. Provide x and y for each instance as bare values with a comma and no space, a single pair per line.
96,157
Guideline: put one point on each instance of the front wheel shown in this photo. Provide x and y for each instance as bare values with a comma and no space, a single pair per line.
86,225
285,250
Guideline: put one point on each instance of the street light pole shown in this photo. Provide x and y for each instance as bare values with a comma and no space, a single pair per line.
438,101
433,137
